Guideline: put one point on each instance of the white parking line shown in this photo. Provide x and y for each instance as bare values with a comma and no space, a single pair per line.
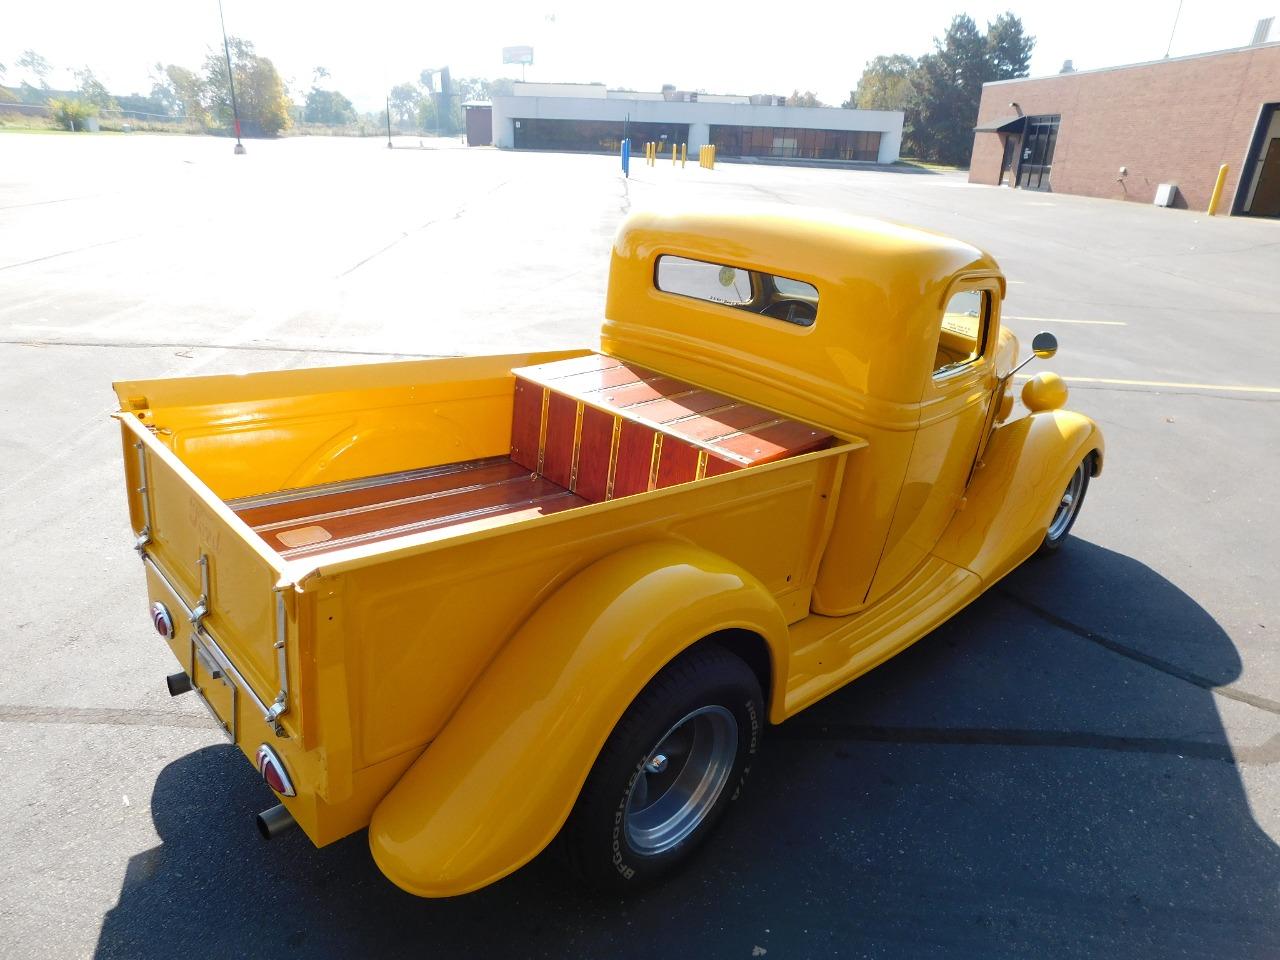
1099,323
1172,385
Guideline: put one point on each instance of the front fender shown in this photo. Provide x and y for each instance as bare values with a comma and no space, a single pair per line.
1013,496
500,780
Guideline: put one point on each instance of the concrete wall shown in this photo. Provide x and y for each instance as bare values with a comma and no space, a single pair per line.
700,116
1170,121
584,91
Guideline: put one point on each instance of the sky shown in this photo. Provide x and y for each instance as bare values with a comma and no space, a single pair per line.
744,48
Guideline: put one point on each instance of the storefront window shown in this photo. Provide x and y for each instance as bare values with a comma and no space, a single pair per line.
595,136
796,142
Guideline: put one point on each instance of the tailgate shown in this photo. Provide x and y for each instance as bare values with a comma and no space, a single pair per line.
231,611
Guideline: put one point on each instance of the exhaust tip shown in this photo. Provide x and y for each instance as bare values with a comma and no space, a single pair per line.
178,683
273,822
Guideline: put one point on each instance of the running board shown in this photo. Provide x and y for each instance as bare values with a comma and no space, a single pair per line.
831,651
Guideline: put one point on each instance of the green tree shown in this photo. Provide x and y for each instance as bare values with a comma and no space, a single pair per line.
260,95
427,119
92,90
1008,48
32,62
885,84
404,102
72,113
806,99
328,107
947,85
182,91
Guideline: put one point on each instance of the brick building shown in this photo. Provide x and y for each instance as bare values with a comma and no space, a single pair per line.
1120,132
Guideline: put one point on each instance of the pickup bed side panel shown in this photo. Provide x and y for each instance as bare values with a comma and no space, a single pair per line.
499,781
1013,496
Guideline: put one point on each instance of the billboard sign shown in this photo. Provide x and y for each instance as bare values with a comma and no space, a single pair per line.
523,55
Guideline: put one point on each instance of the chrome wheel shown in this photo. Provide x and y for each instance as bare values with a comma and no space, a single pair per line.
681,779
1069,506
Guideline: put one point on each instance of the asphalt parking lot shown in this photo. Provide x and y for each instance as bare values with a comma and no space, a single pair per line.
1084,763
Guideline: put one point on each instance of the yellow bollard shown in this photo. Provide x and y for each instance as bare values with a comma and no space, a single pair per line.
1217,190
684,152
673,154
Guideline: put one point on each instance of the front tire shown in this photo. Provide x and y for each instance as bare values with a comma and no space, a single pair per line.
673,764
1064,517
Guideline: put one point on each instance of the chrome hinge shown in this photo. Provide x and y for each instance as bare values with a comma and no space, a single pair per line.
201,608
144,536
281,704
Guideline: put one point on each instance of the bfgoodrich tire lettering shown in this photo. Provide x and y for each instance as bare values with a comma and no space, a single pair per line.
670,768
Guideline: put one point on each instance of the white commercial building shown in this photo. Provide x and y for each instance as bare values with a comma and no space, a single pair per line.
590,117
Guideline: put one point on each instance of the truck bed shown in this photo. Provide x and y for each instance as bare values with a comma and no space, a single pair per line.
583,430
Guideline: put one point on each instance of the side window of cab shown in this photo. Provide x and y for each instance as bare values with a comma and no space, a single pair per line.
963,335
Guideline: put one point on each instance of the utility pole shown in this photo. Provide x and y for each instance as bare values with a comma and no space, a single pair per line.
388,123
231,80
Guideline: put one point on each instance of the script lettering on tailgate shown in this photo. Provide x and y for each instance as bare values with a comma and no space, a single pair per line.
208,531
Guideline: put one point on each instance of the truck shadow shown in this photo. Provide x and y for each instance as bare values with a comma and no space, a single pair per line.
1046,775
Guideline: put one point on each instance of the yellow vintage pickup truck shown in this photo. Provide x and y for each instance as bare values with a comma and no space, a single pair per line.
479,604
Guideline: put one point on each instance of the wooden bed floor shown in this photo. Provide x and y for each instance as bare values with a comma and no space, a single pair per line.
312,520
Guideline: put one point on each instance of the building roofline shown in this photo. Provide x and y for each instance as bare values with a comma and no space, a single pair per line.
1143,63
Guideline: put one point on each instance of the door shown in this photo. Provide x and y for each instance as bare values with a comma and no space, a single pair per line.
1036,162
1266,195
1006,162
953,417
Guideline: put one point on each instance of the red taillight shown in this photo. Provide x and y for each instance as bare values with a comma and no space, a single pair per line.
161,620
273,772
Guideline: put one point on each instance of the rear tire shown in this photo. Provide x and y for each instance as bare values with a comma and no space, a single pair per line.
1064,517
673,764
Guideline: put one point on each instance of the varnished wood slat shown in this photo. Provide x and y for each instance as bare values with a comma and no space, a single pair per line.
558,369
635,456
666,409
593,381
593,454
786,439
438,512
679,463
299,510
484,516
721,423
716,466
557,458
628,396
526,416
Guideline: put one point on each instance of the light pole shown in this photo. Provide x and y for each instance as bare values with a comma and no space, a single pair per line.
231,82
388,123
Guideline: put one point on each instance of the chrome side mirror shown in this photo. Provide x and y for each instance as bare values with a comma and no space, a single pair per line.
1044,345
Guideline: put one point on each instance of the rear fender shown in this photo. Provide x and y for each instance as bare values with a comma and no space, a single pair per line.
1013,496
499,781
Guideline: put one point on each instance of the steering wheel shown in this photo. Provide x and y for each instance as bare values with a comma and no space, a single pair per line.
801,312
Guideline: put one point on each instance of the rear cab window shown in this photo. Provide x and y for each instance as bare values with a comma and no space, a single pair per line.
780,298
